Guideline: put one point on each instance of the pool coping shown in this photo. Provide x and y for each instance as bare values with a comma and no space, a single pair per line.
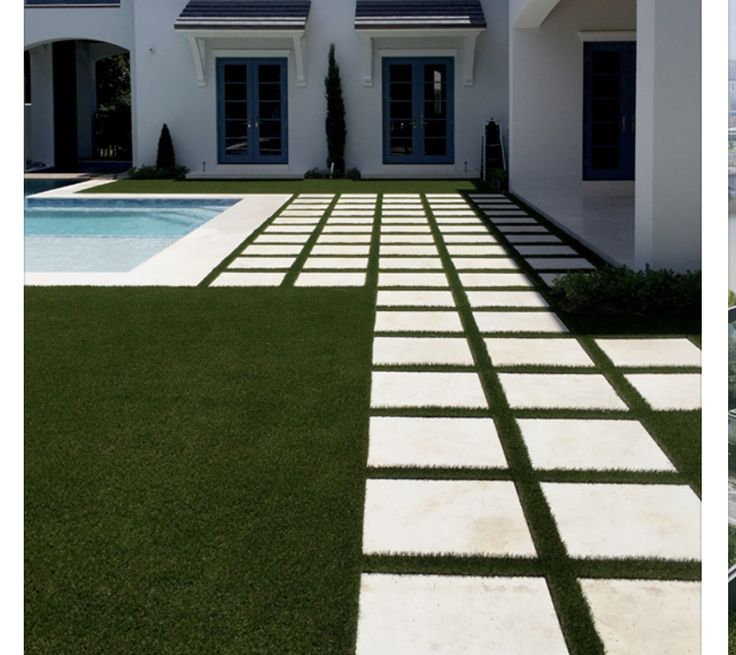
187,261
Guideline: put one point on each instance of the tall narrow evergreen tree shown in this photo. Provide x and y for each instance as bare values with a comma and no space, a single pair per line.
165,157
335,121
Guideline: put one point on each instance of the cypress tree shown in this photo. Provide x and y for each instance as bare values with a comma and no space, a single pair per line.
165,157
335,120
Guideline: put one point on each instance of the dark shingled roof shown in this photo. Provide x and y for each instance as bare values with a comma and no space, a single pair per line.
72,3
377,14
244,14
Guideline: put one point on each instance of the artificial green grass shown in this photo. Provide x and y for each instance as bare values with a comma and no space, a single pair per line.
289,186
243,469
194,469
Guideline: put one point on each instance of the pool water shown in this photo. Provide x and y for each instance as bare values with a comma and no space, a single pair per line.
72,235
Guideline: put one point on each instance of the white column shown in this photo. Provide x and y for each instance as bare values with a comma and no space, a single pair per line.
668,153
42,109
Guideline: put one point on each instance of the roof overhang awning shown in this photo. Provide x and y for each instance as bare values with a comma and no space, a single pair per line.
205,20
407,19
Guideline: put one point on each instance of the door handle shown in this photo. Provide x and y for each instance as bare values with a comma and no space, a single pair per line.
423,122
623,124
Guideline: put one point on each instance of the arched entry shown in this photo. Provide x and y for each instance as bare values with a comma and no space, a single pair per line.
78,106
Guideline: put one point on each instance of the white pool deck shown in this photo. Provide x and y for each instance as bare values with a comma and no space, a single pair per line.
186,262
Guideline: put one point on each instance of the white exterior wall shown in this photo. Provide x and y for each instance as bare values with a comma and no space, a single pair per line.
166,91
546,99
668,146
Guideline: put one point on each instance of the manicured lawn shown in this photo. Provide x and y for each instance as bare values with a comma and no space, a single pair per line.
288,186
195,465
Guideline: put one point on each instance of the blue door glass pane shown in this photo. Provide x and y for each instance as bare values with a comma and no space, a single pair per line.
610,108
418,110
252,111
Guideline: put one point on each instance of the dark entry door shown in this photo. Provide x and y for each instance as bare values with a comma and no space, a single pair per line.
609,134
418,111
252,112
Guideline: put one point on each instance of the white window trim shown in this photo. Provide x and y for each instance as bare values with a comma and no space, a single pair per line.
202,42
469,39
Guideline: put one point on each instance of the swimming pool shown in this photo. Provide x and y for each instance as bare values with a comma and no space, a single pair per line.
100,235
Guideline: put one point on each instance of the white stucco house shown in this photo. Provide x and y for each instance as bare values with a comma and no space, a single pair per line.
598,100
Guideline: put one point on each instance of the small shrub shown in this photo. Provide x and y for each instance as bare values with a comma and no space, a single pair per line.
317,174
153,173
165,157
621,292
352,174
498,180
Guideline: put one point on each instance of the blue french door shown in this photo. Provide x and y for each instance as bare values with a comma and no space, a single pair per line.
418,111
609,135
252,111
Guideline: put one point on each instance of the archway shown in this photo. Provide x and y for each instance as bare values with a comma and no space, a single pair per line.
78,107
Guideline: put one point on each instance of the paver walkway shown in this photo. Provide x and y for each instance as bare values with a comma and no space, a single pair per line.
514,503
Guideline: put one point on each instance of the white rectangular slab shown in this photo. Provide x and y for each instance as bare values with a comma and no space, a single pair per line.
477,280
338,220
506,299
228,279
425,321
463,229
591,444
330,280
559,391
410,263
399,441
646,617
278,250
522,229
347,229
281,238
462,517
533,238
412,280
408,249
485,263
336,262
405,229
463,615
404,221
518,322
521,219
413,298
469,238
398,351
543,351
407,238
302,212
344,238
295,221
559,263
322,249
626,520
352,212
650,352
262,262
668,391
426,389
476,250
289,229
545,250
